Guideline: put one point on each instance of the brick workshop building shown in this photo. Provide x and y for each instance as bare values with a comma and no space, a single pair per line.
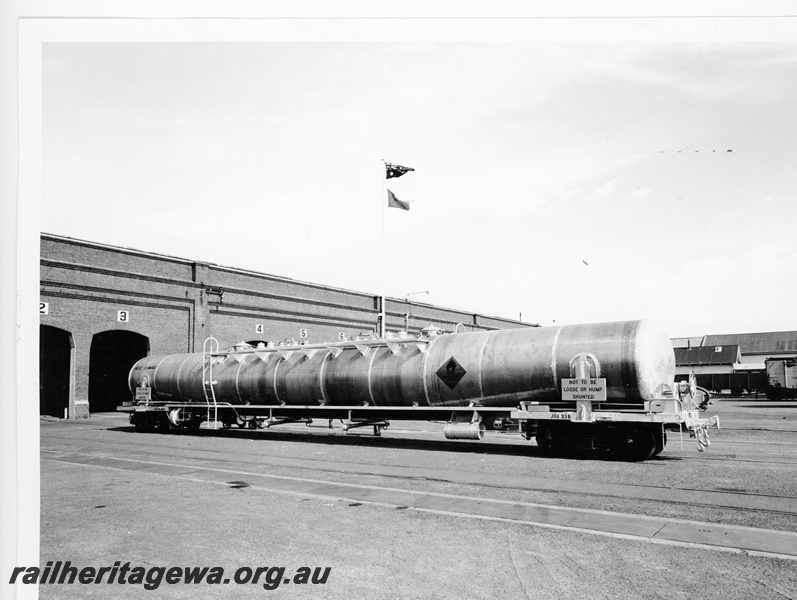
102,308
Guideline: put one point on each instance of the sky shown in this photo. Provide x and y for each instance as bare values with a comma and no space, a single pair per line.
555,182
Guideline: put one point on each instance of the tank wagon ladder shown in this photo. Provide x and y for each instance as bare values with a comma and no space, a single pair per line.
210,348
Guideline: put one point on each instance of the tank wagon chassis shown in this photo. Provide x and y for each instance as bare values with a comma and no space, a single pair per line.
369,382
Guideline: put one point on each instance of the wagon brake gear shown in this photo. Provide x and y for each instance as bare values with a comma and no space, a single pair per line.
703,405
273,421
378,424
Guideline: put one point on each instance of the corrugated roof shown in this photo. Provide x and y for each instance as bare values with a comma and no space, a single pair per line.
687,342
707,355
757,343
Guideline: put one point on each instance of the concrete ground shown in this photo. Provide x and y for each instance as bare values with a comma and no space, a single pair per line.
284,499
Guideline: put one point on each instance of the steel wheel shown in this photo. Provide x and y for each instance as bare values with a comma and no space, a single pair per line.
544,439
636,444
661,441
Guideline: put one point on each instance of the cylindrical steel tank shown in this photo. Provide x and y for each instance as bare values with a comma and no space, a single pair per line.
635,358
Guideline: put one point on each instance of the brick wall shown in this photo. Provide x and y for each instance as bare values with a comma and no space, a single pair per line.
177,303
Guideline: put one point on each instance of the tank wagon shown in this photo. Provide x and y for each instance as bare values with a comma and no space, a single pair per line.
605,387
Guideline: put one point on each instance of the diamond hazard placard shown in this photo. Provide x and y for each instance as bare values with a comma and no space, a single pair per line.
451,372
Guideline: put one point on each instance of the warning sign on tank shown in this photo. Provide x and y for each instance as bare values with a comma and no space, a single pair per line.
593,390
451,372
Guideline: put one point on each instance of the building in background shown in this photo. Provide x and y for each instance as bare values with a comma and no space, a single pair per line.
763,363
102,308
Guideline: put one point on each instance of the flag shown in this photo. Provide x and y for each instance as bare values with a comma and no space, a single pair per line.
393,202
395,170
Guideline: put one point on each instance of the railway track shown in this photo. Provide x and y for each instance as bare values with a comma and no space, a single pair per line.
356,463
761,542
725,458
411,507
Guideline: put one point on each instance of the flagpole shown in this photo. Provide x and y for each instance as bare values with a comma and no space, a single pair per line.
383,202
388,199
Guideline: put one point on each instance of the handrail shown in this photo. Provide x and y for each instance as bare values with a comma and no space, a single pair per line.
209,348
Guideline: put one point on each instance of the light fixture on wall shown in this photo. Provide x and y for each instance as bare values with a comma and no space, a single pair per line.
216,292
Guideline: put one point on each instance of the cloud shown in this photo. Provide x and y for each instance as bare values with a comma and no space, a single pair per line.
605,191
640,192
754,269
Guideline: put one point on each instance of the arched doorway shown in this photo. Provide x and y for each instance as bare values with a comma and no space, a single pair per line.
55,369
111,357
